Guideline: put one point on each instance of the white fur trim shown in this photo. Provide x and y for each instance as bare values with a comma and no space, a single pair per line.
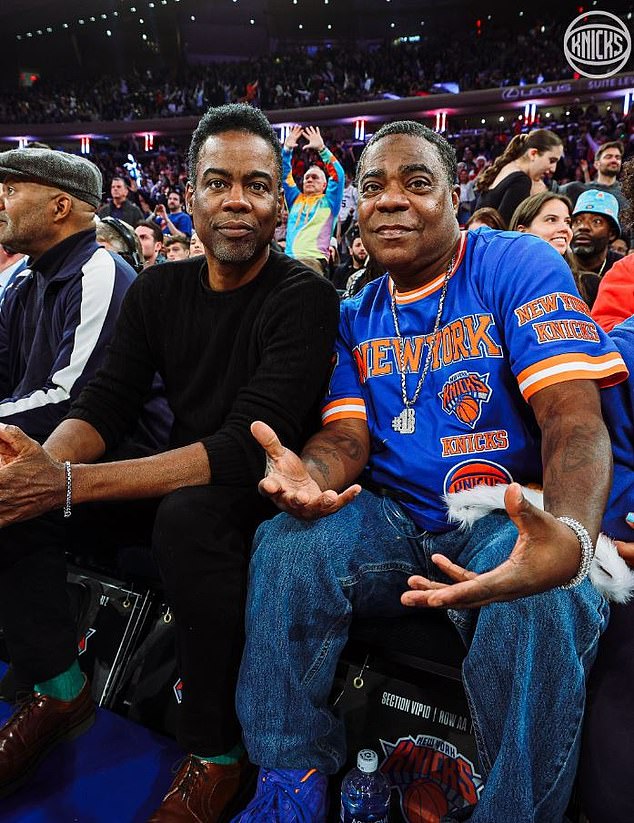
609,573
465,507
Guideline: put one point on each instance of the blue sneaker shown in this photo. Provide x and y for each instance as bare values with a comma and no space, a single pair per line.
287,796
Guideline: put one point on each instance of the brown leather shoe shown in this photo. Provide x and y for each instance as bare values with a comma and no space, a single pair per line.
37,725
200,793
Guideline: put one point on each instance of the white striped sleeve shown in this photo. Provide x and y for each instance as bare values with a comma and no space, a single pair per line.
97,286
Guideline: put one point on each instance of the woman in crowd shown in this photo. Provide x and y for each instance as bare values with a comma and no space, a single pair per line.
467,196
195,246
519,172
486,217
549,216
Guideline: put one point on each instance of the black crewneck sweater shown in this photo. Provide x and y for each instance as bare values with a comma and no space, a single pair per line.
259,352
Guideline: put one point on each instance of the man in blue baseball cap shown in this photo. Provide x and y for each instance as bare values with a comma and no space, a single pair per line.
595,224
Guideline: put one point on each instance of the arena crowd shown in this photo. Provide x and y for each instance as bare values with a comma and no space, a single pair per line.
320,77
236,351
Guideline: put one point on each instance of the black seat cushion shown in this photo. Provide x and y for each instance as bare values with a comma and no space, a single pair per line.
425,634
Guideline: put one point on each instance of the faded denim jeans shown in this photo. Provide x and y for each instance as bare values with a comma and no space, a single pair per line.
524,674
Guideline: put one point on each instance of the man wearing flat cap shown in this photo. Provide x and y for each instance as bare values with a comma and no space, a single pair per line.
239,333
56,320
58,316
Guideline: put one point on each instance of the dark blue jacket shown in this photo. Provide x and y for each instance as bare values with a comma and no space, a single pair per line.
54,329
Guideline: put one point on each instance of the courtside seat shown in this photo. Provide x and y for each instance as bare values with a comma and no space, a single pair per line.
423,640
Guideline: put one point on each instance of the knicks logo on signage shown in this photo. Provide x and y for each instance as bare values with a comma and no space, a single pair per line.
473,473
597,44
431,777
463,395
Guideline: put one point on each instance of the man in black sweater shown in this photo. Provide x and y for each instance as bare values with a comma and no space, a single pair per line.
241,334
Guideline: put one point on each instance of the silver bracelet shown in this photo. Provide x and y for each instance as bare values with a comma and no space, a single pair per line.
587,551
69,489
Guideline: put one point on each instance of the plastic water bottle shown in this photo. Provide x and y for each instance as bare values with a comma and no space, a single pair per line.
365,792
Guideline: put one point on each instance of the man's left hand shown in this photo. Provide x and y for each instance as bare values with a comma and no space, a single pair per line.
31,482
546,554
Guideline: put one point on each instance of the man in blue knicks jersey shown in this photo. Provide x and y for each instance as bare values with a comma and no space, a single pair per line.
472,360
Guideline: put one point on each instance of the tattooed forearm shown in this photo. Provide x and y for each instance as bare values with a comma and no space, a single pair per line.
338,454
318,462
348,444
572,446
576,457
582,446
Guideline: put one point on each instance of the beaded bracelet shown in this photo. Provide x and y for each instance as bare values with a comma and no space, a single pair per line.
69,489
587,551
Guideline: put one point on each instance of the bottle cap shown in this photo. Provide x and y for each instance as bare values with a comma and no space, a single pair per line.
367,761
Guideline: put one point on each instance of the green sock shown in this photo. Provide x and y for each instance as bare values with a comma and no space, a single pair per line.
227,759
66,686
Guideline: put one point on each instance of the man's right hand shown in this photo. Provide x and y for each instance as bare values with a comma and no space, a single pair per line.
288,483
31,482
292,137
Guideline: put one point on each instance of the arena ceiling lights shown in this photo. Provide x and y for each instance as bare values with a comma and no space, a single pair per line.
100,17
51,17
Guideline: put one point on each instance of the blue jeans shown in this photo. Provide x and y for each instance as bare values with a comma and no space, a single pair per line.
524,673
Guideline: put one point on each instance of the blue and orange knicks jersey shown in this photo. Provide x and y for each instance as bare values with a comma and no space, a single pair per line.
513,323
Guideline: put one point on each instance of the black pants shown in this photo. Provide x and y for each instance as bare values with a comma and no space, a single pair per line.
201,538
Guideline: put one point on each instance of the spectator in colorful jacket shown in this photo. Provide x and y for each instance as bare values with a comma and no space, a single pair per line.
313,211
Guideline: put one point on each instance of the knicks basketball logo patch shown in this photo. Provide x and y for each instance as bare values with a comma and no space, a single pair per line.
463,395
472,473
431,776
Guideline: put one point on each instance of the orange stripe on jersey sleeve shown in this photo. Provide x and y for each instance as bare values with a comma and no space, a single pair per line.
345,407
606,369
344,415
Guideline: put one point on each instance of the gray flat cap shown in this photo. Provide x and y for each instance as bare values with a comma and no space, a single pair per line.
72,174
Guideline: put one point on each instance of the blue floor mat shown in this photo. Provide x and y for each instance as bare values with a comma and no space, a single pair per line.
117,772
